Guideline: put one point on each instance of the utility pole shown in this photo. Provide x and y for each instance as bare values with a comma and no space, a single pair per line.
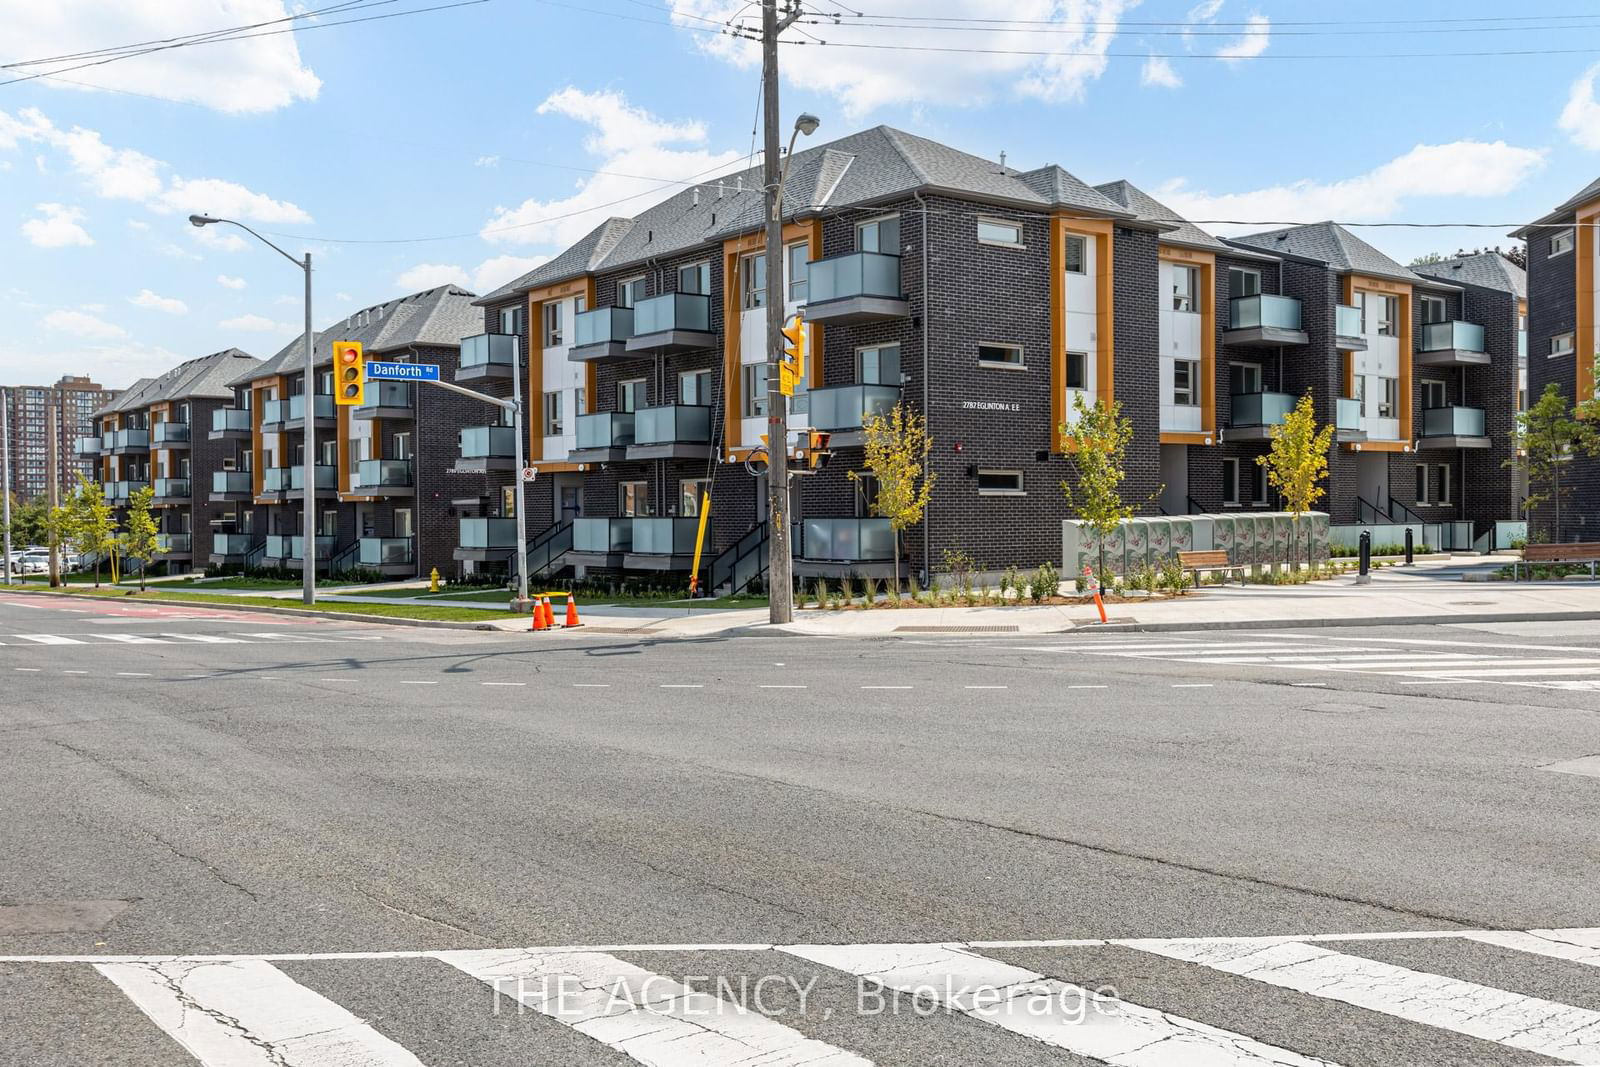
54,497
5,477
521,494
780,560
308,555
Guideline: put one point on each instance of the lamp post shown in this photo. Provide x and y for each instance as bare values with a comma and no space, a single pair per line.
308,554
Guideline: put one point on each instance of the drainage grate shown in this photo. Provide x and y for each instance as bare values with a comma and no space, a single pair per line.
955,629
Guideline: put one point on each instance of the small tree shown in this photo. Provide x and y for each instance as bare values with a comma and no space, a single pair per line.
1547,436
93,525
1098,437
142,540
897,448
1297,463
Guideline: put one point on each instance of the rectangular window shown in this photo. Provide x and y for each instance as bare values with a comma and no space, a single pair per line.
1561,242
1185,289
328,453
1244,378
552,415
1433,309
552,324
694,387
633,499
1432,394
1389,405
999,483
1256,478
1358,300
753,281
1077,254
753,382
879,235
401,446
1230,482
798,261
994,355
695,278
328,523
510,320
1444,483
630,395
1388,316
1359,383
999,232
878,365
1243,282
630,292
1421,487
866,494
403,526
1561,344
508,501
689,493
1077,370
580,304
1185,382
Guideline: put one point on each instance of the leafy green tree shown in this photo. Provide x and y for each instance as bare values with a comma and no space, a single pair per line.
142,539
1548,434
897,447
92,525
1098,439
1297,464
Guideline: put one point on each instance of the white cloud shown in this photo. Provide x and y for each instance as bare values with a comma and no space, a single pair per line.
230,283
261,73
257,324
169,305
1457,169
428,275
82,324
114,365
1205,11
127,174
57,227
1158,73
1581,117
863,79
343,298
218,238
627,140
177,251
486,161
138,225
488,276
1253,41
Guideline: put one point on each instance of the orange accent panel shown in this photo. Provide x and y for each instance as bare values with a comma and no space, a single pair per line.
731,323
560,468
1379,446
1583,343
1187,437
1100,231
1402,292
1207,264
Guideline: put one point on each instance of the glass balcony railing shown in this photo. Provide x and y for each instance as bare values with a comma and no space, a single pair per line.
230,481
486,442
171,433
275,480
387,395
327,477
1453,422
672,311
125,439
280,546
383,474
1262,409
170,488
686,423
602,325
602,534
122,491
1347,414
385,551
489,534
1444,336
274,412
87,446
853,274
233,420
607,429
665,536
230,544
847,540
1263,310
1347,321
322,407
483,349
168,544
847,407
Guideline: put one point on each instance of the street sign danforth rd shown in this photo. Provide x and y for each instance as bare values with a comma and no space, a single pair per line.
402,372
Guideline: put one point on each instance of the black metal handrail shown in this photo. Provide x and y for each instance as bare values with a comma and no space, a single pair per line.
344,560
740,564
1366,506
549,545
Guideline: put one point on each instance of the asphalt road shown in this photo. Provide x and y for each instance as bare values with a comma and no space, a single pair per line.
366,800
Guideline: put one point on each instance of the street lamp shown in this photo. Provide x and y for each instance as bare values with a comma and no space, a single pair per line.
308,554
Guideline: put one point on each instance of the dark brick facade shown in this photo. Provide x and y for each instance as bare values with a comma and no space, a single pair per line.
1552,310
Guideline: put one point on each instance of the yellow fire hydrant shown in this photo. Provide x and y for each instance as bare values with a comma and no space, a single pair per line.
433,580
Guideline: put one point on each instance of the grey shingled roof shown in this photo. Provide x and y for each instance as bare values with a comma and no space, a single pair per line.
1489,270
1148,208
1333,245
1564,213
871,166
438,316
206,377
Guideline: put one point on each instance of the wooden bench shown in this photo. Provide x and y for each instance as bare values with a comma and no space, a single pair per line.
1572,552
1212,560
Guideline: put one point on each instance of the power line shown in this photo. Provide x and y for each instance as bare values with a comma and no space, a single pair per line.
1224,22
1048,53
1242,32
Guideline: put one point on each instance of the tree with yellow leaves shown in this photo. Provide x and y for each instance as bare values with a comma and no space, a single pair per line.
1298,463
897,449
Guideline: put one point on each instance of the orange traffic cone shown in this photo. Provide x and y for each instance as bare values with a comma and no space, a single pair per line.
549,616
572,611
538,617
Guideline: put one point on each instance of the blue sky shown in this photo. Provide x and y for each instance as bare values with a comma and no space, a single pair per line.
495,116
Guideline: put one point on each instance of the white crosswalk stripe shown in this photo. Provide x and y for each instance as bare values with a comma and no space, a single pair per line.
167,638
249,1010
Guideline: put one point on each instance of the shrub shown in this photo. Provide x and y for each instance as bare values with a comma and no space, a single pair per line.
914,587
1173,579
960,565
1046,583
847,590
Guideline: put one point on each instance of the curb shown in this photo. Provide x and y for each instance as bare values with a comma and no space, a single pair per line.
341,616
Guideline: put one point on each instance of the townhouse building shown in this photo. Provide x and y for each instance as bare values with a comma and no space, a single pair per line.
384,472
1562,338
31,411
153,435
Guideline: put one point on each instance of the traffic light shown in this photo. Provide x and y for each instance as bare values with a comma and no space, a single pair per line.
349,373
792,368
817,454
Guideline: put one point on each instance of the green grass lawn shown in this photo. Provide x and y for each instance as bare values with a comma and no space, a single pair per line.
431,612
502,596
232,583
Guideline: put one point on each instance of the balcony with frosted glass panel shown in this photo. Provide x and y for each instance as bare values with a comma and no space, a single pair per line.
675,431
230,485
1347,425
385,400
324,548
173,545
1453,427
837,547
120,493
327,479
1348,334
843,410
603,437
227,547
275,484
322,411
1264,321
664,543
172,490
170,435
1451,344
384,477
487,448
1253,415
129,442
855,287
390,555
599,541
86,447
486,538
230,424
487,357
274,413
601,334
672,322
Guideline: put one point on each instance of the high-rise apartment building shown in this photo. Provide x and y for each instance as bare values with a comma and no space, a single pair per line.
75,399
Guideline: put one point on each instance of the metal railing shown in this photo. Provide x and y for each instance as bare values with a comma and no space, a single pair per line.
1263,310
547,548
848,540
853,274
847,407
486,348
606,429
672,311
346,559
741,564
674,422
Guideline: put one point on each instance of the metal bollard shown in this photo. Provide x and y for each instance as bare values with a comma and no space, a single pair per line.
1409,545
1363,574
